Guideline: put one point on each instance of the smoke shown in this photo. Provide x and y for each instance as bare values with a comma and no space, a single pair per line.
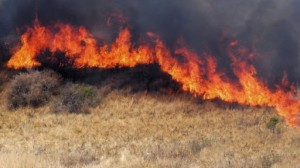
268,26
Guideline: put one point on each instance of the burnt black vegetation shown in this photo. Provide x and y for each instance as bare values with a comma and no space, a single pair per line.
77,91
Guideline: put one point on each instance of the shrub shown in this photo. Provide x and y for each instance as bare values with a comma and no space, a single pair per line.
273,122
32,89
76,98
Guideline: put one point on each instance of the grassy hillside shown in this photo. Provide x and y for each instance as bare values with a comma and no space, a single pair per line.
147,130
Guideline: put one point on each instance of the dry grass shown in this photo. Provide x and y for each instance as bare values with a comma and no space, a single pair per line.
144,130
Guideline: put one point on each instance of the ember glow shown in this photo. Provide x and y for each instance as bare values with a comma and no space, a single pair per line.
198,75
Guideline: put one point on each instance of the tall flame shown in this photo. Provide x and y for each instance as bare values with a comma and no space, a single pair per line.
197,75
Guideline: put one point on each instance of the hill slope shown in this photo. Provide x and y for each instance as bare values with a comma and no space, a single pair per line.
147,130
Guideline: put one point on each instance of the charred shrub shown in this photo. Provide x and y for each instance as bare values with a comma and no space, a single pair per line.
76,98
142,78
32,89
5,54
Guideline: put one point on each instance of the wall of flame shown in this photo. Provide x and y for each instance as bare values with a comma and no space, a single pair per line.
197,75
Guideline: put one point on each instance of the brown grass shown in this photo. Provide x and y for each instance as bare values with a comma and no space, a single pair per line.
144,130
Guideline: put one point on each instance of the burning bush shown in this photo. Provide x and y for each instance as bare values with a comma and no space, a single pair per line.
32,89
76,98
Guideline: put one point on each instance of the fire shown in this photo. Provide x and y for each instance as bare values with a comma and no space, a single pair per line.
197,75
79,45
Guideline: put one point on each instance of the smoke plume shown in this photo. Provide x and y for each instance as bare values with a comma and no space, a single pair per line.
269,27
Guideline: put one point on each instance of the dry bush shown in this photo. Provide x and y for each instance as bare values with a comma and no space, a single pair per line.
32,89
76,98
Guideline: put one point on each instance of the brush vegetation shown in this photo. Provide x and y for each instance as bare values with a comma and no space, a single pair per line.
76,98
32,89
141,129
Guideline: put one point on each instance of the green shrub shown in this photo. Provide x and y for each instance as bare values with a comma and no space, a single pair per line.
273,122
76,98
32,89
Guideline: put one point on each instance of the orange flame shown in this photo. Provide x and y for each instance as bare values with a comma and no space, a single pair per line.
79,45
197,76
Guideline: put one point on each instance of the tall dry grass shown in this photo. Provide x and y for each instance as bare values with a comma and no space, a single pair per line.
147,130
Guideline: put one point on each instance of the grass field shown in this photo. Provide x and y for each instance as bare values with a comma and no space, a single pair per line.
147,130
